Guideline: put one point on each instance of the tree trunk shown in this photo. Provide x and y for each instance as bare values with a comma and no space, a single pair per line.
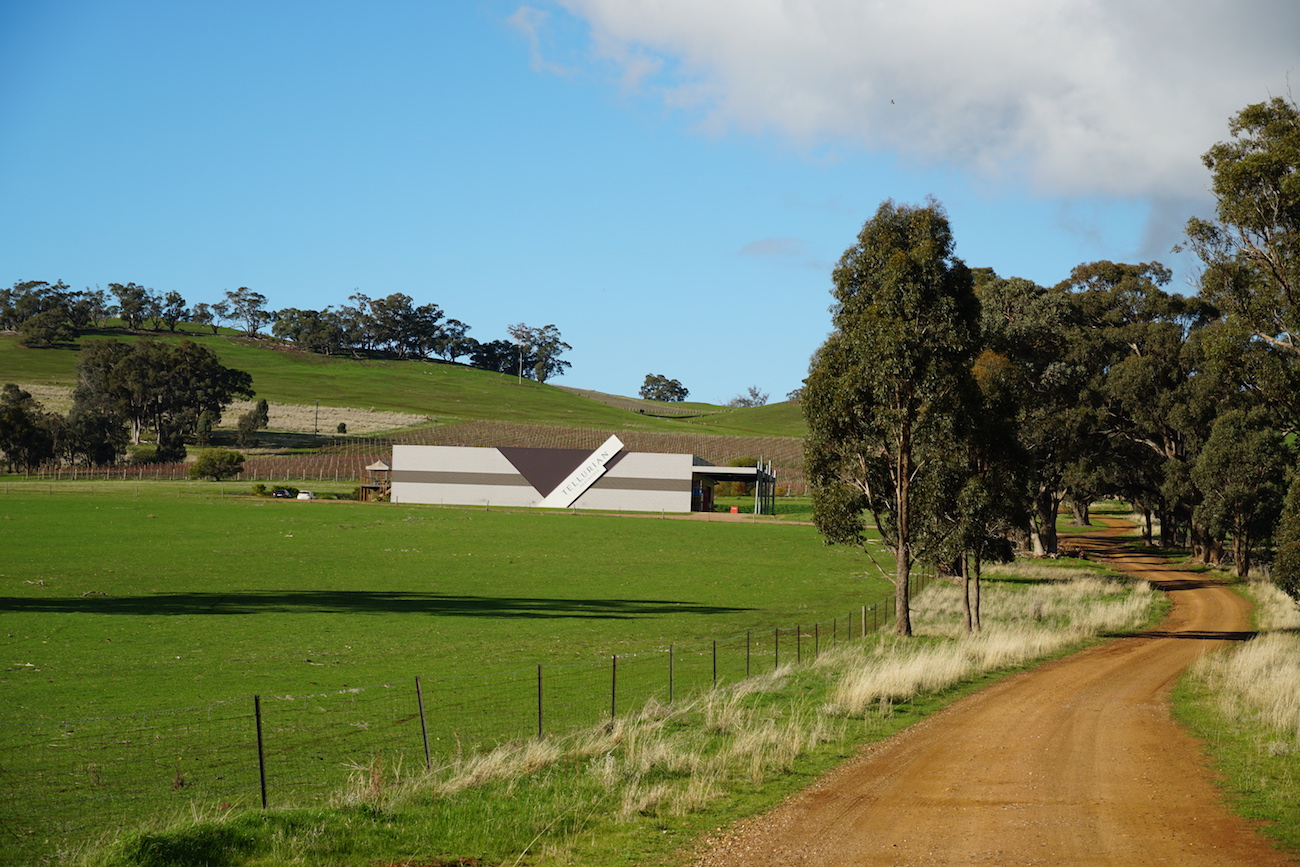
1215,552
1241,554
1080,509
979,625
1046,505
964,571
1167,527
903,562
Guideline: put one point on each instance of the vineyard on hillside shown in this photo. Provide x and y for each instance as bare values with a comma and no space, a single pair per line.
345,458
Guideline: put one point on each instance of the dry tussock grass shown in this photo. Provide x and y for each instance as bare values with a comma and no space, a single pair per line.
1020,625
1259,681
296,418
53,398
1276,611
507,762
675,759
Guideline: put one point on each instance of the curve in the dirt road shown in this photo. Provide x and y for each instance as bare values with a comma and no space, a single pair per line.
1078,762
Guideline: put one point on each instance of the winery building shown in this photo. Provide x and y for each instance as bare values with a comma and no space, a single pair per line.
609,478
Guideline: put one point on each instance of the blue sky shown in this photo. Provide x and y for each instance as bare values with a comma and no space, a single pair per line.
667,182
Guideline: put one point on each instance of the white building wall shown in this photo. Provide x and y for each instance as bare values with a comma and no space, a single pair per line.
455,475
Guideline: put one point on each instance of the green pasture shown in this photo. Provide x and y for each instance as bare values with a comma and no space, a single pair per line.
137,620
139,597
440,390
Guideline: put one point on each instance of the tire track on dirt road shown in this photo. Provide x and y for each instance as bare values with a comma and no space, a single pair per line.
1077,762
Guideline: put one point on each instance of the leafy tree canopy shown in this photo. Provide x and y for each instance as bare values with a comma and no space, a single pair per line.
217,464
888,394
157,385
659,387
753,396
1251,250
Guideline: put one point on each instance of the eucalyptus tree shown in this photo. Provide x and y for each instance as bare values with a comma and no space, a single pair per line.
172,310
1149,385
659,387
202,314
453,340
887,394
1242,472
1251,249
991,508
1286,565
27,431
133,303
1034,330
541,348
249,307
162,386
313,330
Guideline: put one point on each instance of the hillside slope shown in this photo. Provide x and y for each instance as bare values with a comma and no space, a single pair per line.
438,390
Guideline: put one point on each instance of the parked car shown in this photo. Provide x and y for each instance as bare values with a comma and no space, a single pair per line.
282,494
306,495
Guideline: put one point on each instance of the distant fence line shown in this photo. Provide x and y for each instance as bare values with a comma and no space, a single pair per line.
74,780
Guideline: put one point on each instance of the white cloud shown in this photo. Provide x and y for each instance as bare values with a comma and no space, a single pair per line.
530,23
1092,97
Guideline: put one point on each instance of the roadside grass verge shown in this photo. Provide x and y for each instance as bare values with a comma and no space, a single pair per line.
1244,703
641,789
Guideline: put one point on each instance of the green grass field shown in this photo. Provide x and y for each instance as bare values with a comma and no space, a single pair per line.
639,791
122,601
137,621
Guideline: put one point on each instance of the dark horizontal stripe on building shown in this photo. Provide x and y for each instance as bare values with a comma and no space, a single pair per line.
514,480
434,477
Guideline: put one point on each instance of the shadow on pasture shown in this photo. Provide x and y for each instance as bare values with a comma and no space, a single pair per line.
360,602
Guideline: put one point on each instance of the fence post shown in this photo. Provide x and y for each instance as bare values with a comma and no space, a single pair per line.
817,640
613,687
670,674
261,751
798,644
747,653
539,702
715,663
776,648
424,726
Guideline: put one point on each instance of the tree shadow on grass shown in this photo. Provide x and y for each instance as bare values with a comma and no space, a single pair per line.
360,602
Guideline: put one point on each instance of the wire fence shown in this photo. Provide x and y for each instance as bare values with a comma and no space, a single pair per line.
76,780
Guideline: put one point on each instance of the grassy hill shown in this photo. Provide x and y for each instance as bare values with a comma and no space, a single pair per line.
439,390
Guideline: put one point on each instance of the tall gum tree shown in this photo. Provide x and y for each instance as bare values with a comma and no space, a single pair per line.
885,395
1251,250
1031,327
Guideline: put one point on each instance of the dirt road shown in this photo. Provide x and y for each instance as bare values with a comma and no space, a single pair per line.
1078,762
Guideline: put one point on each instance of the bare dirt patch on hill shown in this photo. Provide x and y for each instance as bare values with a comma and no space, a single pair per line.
1076,762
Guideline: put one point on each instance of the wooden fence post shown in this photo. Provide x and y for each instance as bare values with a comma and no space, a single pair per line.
261,751
424,726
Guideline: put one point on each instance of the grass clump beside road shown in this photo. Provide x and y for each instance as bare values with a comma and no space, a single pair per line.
641,789
1245,704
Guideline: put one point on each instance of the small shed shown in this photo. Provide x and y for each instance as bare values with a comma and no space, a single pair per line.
380,486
